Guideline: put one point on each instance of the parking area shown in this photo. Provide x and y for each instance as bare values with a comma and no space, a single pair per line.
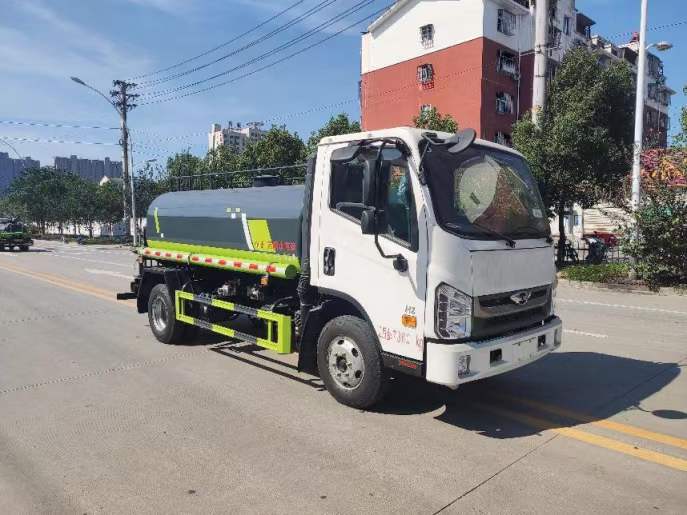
98,417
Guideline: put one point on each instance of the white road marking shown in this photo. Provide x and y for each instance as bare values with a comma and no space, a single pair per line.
622,306
106,272
583,333
98,261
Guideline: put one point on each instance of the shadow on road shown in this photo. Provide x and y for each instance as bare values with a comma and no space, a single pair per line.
561,390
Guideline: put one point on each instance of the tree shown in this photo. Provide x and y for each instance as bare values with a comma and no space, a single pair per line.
277,148
581,152
149,185
336,126
39,194
110,202
432,120
183,165
681,139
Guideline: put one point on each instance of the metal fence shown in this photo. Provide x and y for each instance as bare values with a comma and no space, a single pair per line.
580,252
293,174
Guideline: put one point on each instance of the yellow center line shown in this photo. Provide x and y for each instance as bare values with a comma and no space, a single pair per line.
606,424
67,284
590,438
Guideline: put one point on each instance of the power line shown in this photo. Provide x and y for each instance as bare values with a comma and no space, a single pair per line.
319,7
222,45
56,125
357,7
286,58
61,141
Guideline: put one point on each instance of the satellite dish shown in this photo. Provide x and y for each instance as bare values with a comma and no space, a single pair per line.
461,141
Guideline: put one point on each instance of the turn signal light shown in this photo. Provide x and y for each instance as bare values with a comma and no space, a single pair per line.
409,321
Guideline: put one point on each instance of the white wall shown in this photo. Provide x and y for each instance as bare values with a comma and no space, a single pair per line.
397,39
523,39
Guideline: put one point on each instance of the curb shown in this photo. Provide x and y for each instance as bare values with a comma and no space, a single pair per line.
588,285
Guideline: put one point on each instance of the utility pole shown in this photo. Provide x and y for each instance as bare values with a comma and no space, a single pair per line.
122,100
639,109
541,35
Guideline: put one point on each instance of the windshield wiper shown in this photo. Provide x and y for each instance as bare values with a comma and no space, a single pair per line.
509,241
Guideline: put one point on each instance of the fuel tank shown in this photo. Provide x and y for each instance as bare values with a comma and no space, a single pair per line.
261,223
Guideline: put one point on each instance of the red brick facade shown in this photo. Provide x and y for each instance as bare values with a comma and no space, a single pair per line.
465,85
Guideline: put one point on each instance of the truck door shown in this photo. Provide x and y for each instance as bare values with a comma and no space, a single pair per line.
349,263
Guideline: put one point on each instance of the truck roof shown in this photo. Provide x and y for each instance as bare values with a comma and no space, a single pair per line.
410,134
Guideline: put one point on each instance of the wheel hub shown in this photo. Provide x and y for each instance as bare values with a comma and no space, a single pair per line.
345,362
159,315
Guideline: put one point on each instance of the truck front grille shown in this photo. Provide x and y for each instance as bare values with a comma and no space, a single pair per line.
501,313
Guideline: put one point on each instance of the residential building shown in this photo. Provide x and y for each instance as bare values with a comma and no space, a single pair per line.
89,169
234,136
474,60
657,94
10,168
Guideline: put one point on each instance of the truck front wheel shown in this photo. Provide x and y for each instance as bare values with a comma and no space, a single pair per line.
162,318
350,363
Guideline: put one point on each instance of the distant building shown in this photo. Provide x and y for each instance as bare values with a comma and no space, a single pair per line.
657,94
235,136
11,168
89,169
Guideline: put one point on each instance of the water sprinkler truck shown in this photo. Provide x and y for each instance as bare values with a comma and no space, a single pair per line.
404,251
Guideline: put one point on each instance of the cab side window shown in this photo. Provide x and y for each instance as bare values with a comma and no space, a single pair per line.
399,207
347,186
394,194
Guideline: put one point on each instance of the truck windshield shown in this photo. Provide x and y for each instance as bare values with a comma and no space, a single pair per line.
485,193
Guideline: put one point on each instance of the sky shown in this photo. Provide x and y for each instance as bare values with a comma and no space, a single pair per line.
44,42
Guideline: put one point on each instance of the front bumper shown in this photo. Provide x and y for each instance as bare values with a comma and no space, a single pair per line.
458,363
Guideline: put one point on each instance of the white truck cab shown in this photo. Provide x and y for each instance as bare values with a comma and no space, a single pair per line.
460,282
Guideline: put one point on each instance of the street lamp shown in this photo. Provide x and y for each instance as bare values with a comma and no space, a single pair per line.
639,104
122,106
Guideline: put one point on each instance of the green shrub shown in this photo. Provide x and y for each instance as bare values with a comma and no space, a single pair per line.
661,247
604,273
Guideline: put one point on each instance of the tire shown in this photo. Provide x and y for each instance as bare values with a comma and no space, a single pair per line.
24,248
350,363
162,318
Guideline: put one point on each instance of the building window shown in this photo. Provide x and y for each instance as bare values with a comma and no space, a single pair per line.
566,25
554,37
506,22
425,75
504,103
503,138
507,63
427,36
425,108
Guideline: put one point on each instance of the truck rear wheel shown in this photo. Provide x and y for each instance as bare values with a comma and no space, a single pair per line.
162,318
350,363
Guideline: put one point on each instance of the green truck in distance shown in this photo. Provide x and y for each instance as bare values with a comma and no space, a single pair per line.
14,234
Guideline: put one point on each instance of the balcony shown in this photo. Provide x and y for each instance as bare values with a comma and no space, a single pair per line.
519,7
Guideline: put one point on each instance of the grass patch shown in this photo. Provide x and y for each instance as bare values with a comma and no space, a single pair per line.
604,273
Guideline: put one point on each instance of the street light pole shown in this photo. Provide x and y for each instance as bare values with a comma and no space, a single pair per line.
639,110
122,105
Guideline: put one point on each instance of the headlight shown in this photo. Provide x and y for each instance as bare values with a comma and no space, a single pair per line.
453,312
554,287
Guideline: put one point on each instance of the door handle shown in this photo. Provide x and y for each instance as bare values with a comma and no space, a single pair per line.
329,261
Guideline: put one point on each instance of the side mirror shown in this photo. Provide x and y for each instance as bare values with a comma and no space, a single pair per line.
371,220
369,185
460,141
368,223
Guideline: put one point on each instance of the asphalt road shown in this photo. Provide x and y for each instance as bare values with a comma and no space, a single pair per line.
98,417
